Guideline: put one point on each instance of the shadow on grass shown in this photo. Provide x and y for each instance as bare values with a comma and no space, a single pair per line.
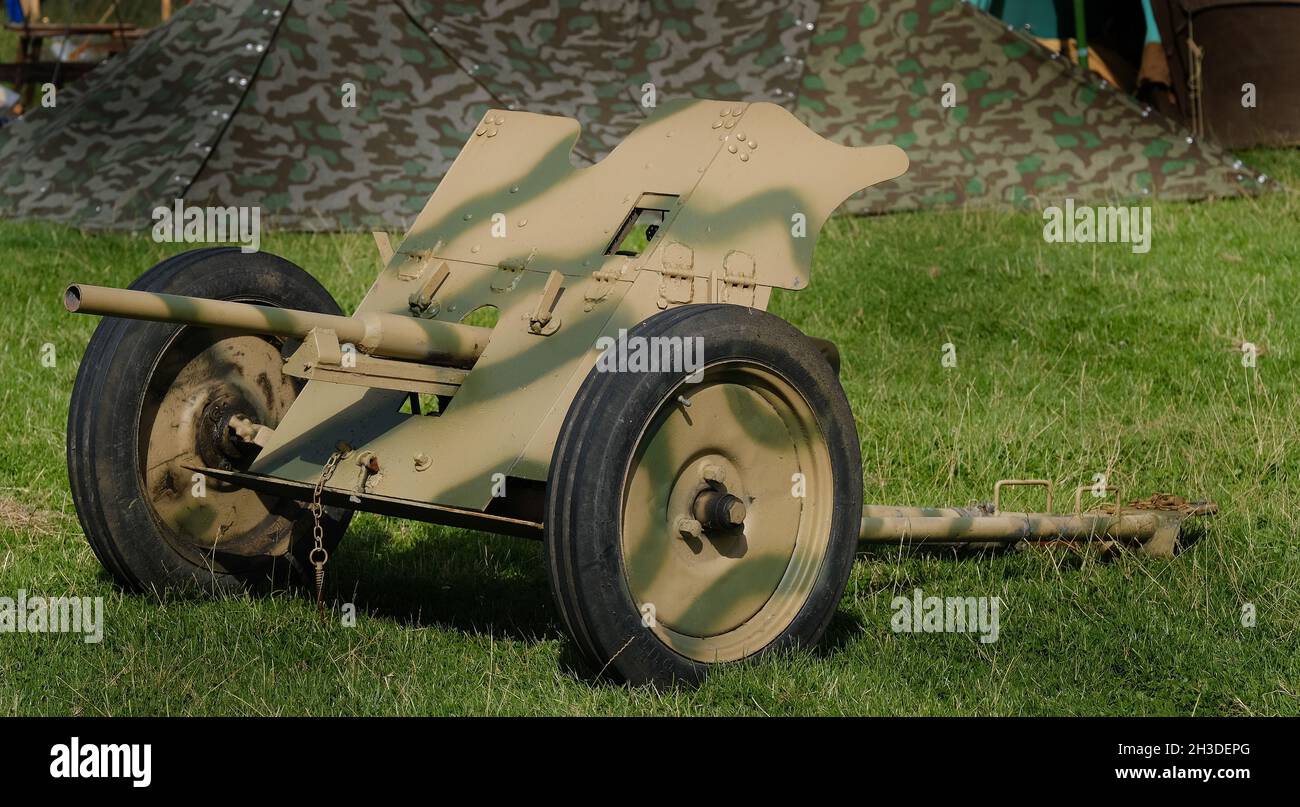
1193,532
469,582
480,584
845,628
1067,558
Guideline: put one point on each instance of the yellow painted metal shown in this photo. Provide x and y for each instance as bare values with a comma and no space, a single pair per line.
1005,483
724,593
513,209
319,358
398,337
1154,531
739,192
202,380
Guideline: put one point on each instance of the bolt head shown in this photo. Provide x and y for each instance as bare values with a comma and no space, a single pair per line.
369,461
736,512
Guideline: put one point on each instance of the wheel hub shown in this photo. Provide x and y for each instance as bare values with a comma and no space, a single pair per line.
204,379
719,510
215,442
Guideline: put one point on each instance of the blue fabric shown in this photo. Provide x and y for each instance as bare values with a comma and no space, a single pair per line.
1043,18
14,10
1153,32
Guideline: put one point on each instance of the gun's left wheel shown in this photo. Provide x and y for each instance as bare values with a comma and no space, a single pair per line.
152,403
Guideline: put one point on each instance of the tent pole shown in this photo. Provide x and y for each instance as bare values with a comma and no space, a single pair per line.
1081,34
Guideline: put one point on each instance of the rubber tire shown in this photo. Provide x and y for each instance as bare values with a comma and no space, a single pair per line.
103,464
583,521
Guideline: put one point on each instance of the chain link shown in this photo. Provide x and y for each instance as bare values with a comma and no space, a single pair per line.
319,555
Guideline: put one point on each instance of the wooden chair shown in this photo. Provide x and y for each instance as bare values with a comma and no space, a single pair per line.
29,70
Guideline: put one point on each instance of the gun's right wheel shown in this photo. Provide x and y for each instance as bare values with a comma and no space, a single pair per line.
153,401
698,521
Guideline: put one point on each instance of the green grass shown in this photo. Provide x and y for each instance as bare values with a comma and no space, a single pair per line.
1072,360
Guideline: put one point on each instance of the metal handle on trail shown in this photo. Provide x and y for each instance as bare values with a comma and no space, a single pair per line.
1078,496
997,490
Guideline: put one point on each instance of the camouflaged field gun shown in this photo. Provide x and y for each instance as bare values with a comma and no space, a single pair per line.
689,460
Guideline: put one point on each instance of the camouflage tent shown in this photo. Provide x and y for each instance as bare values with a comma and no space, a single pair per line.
333,115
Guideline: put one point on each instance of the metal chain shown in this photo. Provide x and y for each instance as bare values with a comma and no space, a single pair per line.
319,555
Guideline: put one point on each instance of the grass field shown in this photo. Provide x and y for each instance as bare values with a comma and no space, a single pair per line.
1072,360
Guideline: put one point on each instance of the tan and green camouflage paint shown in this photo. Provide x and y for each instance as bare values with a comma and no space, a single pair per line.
172,117
727,169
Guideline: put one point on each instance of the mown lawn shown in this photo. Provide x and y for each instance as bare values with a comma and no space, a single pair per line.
1073,360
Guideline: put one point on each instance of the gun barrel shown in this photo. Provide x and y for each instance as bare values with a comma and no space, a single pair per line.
393,336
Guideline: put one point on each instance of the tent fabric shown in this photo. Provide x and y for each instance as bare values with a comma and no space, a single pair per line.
135,131
426,72
312,163
1027,124
240,103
